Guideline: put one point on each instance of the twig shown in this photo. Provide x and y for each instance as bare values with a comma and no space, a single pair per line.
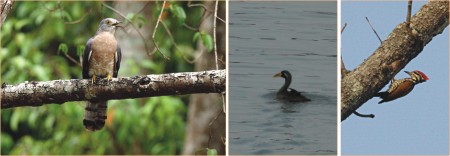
72,59
210,124
374,30
363,115
140,34
408,15
214,33
204,7
221,19
198,5
344,71
204,15
176,45
190,27
154,33
60,8
343,28
140,11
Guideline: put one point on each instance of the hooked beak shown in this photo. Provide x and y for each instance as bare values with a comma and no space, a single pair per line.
117,24
277,75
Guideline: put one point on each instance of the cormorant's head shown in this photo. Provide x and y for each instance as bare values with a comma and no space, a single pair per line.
283,74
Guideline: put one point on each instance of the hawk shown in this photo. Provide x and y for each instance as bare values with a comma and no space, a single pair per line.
101,59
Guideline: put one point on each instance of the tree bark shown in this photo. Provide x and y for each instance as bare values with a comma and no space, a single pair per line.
401,46
59,91
204,108
6,6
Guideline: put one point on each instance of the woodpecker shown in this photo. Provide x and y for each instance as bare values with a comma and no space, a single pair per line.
402,87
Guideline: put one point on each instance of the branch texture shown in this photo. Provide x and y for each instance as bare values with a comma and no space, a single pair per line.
5,7
401,46
60,91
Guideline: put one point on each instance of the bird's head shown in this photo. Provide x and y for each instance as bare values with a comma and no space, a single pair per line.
283,74
417,76
109,25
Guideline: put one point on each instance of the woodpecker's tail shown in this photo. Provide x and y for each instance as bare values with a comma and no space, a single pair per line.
95,115
380,94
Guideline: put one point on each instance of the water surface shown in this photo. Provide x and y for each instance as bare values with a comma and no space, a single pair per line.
266,38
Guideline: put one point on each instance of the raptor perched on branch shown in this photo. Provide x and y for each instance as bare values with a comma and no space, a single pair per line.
101,59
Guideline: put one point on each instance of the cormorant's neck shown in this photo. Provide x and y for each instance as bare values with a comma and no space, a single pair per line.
287,82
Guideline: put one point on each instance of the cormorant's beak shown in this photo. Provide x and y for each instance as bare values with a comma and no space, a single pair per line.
277,75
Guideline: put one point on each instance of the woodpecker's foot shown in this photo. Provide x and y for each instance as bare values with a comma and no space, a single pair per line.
364,115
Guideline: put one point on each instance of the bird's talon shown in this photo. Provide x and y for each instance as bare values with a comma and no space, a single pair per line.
93,79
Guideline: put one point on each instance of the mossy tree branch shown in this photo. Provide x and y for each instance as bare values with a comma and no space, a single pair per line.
400,47
59,91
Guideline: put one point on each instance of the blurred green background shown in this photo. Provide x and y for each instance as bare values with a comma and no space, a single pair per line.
37,36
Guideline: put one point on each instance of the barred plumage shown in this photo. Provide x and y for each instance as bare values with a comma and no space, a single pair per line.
402,87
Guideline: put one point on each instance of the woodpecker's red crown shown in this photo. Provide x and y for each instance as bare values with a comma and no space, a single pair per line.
425,77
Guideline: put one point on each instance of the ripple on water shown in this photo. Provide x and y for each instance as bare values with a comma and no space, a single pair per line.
269,37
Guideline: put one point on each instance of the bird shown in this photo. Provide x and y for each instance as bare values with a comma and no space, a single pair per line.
402,87
101,59
286,93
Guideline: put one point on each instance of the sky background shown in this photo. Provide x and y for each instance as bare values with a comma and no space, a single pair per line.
414,124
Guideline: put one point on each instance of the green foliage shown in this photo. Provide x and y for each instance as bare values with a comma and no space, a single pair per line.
211,152
33,36
206,39
178,12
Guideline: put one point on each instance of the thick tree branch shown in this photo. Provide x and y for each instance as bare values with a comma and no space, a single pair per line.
60,91
401,46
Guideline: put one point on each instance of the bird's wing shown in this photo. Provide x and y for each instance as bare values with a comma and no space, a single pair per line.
294,91
86,58
117,58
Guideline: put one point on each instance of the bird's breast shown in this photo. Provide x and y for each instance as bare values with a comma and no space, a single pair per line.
102,60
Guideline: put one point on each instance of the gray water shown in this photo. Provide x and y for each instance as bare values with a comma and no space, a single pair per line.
266,38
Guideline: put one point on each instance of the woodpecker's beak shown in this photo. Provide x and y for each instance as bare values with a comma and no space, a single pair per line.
277,75
407,72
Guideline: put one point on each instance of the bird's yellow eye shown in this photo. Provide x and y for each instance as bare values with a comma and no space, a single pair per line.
108,22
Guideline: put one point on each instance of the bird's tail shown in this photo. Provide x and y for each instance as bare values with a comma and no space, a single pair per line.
95,115
380,94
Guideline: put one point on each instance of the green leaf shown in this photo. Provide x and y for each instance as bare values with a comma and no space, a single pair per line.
7,142
130,16
80,50
21,23
20,62
15,120
39,19
63,48
211,151
179,13
208,42
49,121
40,72
32,118
196,36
